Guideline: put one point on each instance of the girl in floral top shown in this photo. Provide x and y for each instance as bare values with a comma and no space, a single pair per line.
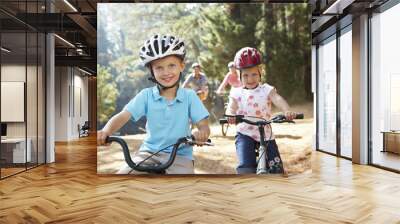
254,99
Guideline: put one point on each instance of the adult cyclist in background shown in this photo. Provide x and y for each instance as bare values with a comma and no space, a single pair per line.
231,78
197,81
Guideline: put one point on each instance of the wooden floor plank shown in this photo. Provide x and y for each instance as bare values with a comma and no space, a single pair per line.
70,191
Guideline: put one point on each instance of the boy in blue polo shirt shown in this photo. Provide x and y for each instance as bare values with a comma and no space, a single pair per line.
169,109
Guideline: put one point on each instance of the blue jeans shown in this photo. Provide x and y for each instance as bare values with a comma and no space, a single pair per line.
246,154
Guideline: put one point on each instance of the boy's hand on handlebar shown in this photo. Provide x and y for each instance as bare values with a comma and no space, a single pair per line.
200,136
101,137
290,115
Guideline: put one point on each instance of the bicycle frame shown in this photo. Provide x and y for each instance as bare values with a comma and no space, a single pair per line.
262,163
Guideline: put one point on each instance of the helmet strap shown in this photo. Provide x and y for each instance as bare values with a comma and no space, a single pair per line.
252,88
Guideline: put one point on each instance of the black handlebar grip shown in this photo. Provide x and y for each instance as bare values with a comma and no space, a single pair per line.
299,116
223,121
192,136
108,140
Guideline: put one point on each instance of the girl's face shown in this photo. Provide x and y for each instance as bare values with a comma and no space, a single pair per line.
250,77
166,70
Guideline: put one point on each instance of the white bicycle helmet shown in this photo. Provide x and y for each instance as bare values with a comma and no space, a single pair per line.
196,65
159,46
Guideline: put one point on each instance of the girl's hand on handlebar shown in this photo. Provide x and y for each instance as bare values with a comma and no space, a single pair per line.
231,120
290,115
101,137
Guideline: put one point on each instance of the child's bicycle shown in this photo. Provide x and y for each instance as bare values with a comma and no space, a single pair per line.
151,166
261,123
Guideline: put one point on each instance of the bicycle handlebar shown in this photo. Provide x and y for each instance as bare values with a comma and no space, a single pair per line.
154,168
261,121
280,118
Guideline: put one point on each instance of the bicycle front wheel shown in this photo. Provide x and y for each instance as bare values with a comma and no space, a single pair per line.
224,128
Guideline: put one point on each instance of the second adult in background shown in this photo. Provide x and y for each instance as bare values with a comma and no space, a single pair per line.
231,78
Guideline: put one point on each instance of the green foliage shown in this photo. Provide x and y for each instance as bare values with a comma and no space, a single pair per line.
107,93
213,33
287,42
227,29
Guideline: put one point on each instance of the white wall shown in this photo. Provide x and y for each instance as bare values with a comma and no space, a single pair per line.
80,110
314,91
71,94
61,103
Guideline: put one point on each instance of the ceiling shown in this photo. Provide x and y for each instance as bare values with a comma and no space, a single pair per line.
330,15
75,22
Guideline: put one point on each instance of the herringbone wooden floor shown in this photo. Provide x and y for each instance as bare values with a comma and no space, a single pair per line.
70,191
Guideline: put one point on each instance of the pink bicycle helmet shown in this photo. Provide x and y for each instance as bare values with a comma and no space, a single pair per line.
247,57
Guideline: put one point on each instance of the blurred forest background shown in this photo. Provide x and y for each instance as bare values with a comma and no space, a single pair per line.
213,32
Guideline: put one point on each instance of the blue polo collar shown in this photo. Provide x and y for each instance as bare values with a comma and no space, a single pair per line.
179,95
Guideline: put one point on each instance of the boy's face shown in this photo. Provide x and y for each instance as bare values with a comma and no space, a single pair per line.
250,77
166,70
